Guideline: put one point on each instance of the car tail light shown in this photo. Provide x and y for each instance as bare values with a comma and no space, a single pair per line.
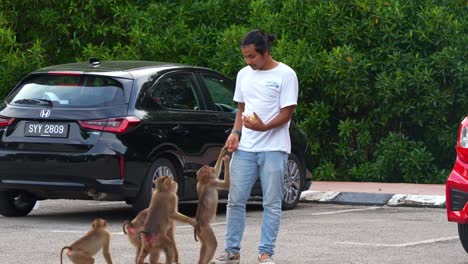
462,141
116,125
6,121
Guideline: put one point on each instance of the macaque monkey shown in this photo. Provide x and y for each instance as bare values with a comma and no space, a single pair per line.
133,228
83,250
208,185
162,212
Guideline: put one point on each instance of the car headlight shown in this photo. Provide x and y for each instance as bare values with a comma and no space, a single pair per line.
464,137
462,141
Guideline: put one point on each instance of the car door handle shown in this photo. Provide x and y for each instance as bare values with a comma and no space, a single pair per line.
180,130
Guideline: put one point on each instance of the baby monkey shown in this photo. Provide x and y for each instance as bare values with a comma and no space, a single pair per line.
83,250
208,185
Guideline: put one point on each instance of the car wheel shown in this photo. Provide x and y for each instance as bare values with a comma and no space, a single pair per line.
463,235
293,182
161,167
16,203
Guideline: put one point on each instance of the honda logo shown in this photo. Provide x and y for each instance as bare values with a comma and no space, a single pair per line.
45,113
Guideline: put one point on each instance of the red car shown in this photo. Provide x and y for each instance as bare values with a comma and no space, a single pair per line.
457,186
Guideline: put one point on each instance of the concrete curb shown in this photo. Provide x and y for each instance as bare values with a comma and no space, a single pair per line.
381,199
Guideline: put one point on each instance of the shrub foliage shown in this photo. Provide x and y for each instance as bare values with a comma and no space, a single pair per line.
383,84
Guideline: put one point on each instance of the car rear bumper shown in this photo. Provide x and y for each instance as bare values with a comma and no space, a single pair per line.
456,189
54,176
98,190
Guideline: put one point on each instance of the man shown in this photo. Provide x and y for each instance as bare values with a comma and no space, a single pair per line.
266,93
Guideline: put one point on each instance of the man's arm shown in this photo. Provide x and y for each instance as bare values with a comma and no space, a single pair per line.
238,121
232,141
282,118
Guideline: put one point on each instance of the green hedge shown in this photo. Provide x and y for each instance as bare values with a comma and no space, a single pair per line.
383,84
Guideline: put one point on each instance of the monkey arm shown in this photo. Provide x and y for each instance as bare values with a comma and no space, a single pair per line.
224,185
106,249
221,184
184,219
219,161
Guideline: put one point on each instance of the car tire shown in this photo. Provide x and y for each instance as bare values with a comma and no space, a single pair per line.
16,203
161,167
463,235
294,181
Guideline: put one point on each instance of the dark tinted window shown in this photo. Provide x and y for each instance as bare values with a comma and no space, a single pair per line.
221,92
176,91
69,91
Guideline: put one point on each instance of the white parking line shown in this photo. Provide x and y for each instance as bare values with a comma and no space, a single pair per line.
105,203
416,243
121,233
341,211
81,232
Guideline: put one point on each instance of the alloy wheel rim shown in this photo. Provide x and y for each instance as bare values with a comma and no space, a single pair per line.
292,182
161,171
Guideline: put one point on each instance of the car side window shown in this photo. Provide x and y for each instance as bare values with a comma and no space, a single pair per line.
221,92
177,91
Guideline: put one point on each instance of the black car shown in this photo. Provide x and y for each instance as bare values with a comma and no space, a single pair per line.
105,130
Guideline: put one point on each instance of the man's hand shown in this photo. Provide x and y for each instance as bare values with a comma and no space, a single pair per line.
253,122
232,142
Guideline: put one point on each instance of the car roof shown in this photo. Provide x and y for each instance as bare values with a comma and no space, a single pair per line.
121,68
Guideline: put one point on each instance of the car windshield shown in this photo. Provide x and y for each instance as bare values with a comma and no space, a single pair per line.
68,91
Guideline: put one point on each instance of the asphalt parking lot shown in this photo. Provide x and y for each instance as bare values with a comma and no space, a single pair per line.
312,233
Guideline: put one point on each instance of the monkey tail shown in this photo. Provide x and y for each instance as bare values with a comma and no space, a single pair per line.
195,231
142,233
61,253
124,226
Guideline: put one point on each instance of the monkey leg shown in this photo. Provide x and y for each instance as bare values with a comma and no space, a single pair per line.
142,255
168,251
208,244
154,255
79,257
171,235
137,254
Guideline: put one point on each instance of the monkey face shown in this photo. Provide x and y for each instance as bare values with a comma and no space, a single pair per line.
205,174
166,183
172,185
99,223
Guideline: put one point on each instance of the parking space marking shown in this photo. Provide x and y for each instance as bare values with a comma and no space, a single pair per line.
341,211
409,244
121,233
81,232
106,203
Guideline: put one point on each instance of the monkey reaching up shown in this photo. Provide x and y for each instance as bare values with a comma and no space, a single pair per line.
83,250
208,185
162,212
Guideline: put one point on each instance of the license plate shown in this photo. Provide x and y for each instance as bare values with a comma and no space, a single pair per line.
36,129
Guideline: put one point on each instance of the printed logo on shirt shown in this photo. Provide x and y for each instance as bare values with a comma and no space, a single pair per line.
272,84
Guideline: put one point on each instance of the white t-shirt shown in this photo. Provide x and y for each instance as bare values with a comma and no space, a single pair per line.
265,93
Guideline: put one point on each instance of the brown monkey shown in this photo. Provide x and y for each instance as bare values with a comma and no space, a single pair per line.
157,234
133,228
208,185
83,250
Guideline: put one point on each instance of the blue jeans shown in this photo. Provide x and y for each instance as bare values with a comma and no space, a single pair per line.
245,169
